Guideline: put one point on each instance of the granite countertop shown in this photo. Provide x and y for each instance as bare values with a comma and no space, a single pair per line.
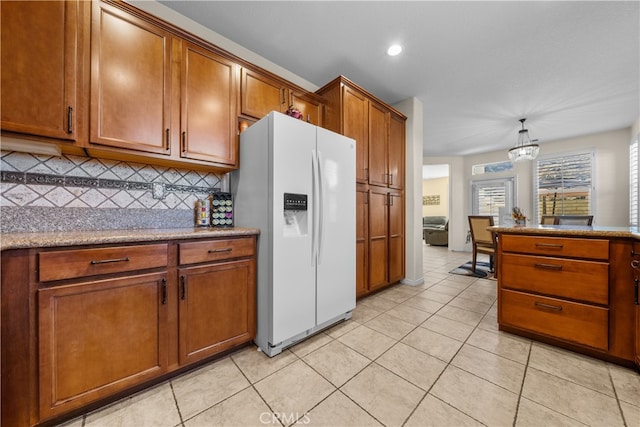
569,230
73,238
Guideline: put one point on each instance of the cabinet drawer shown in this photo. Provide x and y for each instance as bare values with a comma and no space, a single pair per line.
570,321
567,278
556,246
74,263
215,250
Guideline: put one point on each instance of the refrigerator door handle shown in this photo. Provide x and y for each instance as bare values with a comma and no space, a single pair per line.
320,207
314,197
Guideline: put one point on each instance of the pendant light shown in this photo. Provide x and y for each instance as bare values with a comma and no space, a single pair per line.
525,149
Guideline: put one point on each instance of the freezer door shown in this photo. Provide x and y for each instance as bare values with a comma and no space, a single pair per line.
336,272
293,282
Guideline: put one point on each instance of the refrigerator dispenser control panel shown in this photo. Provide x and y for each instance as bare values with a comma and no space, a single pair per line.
295,202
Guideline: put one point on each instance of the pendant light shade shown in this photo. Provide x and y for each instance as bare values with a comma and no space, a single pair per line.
525,149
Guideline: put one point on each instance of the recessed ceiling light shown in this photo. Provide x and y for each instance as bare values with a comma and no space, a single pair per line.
394,50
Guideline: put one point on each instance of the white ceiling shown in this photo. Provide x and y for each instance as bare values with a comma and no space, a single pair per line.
572,68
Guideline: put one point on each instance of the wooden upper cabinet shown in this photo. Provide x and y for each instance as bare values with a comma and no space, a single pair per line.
378,145
43,54
261,95
355,117
396,151
311,109
209,106
130,81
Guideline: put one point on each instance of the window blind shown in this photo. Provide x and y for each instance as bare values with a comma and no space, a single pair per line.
634,190
490,196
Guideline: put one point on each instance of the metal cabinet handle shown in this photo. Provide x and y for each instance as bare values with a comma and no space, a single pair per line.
549,245
69,119
164,291
213,251
390,179
551,307
548,266
106,261
168,139
635,291
184,141
183,288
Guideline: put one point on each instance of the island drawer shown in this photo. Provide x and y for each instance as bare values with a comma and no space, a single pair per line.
556,246
567,278
74,263
579,323
215,250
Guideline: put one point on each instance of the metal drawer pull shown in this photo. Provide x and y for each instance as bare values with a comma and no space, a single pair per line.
548,266
105,261
213,251
164,291
549,245
551,307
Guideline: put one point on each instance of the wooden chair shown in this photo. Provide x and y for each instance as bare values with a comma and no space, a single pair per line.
574,220
548,220
483,240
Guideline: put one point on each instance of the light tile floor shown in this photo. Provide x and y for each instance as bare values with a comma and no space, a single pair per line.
429,355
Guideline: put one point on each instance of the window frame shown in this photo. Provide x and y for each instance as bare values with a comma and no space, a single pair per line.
510,199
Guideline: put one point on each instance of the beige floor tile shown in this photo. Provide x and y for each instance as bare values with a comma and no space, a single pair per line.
413,365
378,303
448,327
461,315
501,371
256,365
154,407
489,323
341,328
338,410
570,399
367,342
76,422
203,388
471,305
478,398
294,389
445,288
435,296
423,304
243,409
627,384
387,397
433,412
390,326
310,344
337,362
583,370
395,295
458,278
409,314
433,343
631,414
531,414
503,344
480,293
363,313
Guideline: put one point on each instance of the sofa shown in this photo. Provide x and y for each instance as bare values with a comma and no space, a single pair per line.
435,230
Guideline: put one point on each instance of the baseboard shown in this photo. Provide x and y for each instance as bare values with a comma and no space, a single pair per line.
410,282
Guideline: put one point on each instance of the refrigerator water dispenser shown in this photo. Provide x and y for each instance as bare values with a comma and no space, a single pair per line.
295,215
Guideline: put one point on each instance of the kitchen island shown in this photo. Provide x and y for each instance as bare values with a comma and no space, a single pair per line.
571,286
91,316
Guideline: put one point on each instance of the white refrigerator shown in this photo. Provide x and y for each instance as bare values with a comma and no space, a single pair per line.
296,183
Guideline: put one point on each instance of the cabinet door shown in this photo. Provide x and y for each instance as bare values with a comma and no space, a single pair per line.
311,110
261,95
216,308
97,338
42,52
378,145
355,116
635,267
362,240
378,237
396,237
396,152
209,107
130,81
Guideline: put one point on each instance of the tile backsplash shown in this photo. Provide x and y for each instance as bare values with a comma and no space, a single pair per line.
97,188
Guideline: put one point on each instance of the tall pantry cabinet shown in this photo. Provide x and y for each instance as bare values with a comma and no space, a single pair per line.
379,131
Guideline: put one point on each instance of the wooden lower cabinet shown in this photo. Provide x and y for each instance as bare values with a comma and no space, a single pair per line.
635,273
215,308
85,325
98,338
362,240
